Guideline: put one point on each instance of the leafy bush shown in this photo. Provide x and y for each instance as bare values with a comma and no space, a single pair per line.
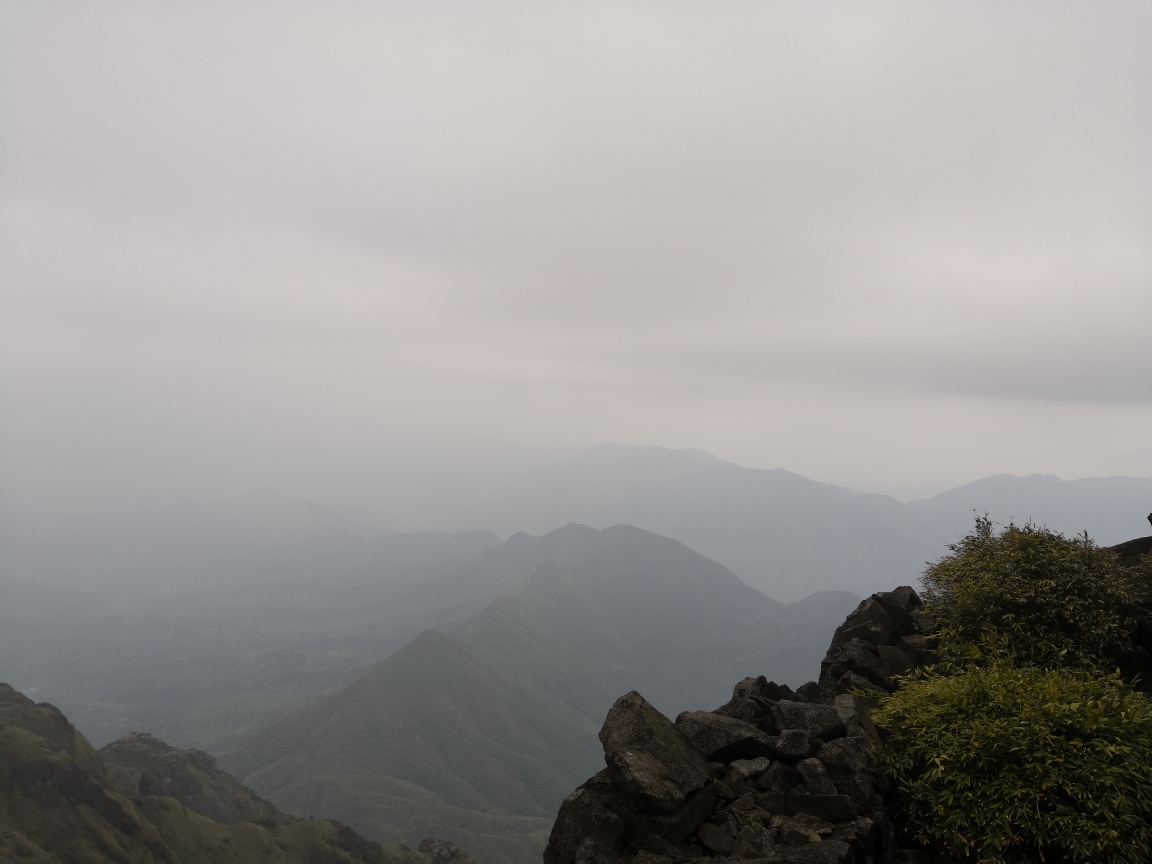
1035,596
1007,764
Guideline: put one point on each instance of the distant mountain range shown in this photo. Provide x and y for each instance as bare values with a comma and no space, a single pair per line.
451,683
779,532
478,735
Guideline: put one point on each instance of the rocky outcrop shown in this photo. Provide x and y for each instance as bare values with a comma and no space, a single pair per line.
771,775
884,637
142,763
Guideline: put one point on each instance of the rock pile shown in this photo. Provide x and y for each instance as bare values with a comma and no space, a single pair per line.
772,775
885,636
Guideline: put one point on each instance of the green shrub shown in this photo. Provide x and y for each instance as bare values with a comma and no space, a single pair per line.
1005,764
1035,596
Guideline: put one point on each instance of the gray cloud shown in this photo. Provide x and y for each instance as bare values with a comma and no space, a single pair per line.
898,242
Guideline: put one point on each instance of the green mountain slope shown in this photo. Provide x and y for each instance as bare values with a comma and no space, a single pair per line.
139,761
478,736
431,741
58,805
637,610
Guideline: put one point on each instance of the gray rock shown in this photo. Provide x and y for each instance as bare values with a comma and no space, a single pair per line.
821,721
834,808
591,851
896,660
902,604
864,790
845,757
794,744
594,812
816,777
870,622
754,841
884,636
864,835
641,829
718,840
648,757
857,657
722,739
761,688
813,693
856,717
779,778
744,770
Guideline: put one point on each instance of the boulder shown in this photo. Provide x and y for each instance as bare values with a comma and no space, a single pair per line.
643,829
870,622
721,739
779,778
814,693
816,777
821,721
594,812
747,769
717,839
794,744
761,688
650,759
845,757
754,840
855,657
864,835
856,717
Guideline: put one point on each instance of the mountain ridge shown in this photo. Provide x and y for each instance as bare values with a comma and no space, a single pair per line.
618,607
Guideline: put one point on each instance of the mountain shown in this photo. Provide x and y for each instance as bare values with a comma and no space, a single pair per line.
631,609
58,805
785,535
1111,509
254,540
206,622
206,662
430,741
477,734
781,533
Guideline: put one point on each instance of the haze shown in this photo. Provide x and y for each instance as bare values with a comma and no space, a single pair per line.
348,249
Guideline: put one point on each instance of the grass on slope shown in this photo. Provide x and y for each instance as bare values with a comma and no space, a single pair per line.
58,805
430,741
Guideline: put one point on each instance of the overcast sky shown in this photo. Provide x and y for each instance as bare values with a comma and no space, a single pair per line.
245,243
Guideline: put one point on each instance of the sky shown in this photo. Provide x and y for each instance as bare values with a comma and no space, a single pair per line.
301,244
